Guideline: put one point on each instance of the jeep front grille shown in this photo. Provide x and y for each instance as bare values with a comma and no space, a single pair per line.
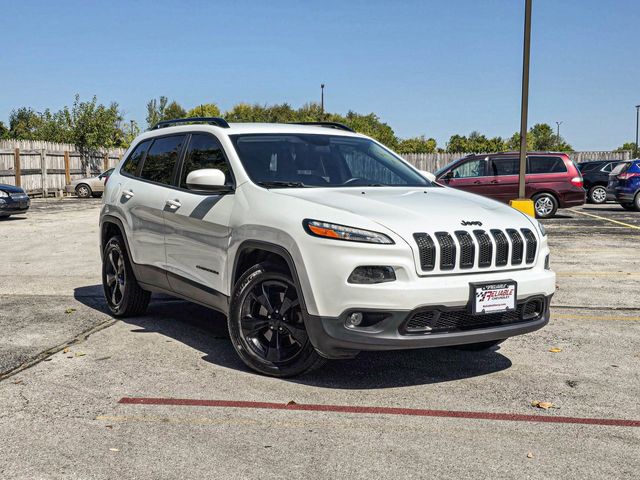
478,249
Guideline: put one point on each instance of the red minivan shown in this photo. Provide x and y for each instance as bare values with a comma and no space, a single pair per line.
552,181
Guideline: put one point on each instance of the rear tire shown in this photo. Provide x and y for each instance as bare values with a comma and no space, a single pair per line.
545,205
266,324
597,194
123,294
83,191
478,347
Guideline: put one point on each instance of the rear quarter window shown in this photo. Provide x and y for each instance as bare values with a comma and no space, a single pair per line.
132,162
546,165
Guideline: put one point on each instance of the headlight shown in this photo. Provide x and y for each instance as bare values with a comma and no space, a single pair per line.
3,193
543,230
342,232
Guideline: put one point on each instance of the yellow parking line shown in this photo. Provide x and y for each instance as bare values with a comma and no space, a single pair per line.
568,316
608,219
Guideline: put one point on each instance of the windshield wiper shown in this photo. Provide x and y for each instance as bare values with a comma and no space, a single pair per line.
281,184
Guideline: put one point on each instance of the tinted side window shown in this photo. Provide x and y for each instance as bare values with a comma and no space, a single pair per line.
131,164
546,165
161,159
472,168
204,151
587,167
504,166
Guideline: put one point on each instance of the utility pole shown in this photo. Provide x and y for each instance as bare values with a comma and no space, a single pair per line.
525,99
558,134
131,123
322,99
637,118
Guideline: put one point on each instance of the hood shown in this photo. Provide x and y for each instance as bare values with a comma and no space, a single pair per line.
409,210
11,188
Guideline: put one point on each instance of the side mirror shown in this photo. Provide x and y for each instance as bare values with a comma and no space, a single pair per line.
428,175
207,180
448,176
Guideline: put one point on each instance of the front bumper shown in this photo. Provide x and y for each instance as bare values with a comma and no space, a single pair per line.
10,206
332,338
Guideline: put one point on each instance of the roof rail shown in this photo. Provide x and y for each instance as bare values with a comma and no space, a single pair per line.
336,125
217,121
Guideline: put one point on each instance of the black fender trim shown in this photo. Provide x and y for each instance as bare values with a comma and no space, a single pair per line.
273,248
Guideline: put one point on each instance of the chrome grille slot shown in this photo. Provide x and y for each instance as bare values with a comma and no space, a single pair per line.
532,245
447,251
486,248
502,247
518,246
427,249
467,249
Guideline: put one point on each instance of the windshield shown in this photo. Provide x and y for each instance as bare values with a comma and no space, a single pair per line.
292,160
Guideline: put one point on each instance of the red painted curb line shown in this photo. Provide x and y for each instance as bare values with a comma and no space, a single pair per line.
513,417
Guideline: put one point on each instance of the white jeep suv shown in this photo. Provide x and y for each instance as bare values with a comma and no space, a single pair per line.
316,242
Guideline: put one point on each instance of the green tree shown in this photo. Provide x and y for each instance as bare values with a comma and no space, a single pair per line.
155,110
95,127
458,144
204,110
24,122
4,131
628,146
416,145
174,110
540,137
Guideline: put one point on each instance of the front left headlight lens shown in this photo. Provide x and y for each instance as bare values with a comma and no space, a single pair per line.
3,193
334,231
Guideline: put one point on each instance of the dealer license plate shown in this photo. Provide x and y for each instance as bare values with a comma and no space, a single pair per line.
493,297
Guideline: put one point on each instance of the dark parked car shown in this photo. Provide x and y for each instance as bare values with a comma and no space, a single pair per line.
553,181
596,176
13,200
624,185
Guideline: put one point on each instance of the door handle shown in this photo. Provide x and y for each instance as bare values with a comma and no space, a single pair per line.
127,193
477,182
495,182
174,204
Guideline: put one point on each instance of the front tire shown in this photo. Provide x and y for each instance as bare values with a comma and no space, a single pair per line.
123,294
83,191
597,195
545,205
266,324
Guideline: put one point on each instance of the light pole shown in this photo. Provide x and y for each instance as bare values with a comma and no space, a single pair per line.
525,102
558,134
637,118
322,99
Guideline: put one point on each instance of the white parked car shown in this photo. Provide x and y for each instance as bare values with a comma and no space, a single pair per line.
90,186
316,242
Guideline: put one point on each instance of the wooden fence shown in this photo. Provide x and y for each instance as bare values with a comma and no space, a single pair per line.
433,161
44,168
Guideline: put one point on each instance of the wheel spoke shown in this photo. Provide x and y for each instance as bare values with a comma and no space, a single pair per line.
251,326
111,279
113,262
273,348
298,333
113,295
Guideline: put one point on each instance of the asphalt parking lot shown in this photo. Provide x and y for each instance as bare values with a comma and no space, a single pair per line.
72,378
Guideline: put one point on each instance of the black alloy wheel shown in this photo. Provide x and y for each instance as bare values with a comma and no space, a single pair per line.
123,294
266,324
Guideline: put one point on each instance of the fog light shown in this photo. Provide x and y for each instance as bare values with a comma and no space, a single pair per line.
372,274
355,319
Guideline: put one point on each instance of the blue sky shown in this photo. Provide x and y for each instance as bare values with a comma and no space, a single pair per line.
426,67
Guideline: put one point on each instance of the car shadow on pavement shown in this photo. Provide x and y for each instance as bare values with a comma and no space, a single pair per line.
12,218
206,331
